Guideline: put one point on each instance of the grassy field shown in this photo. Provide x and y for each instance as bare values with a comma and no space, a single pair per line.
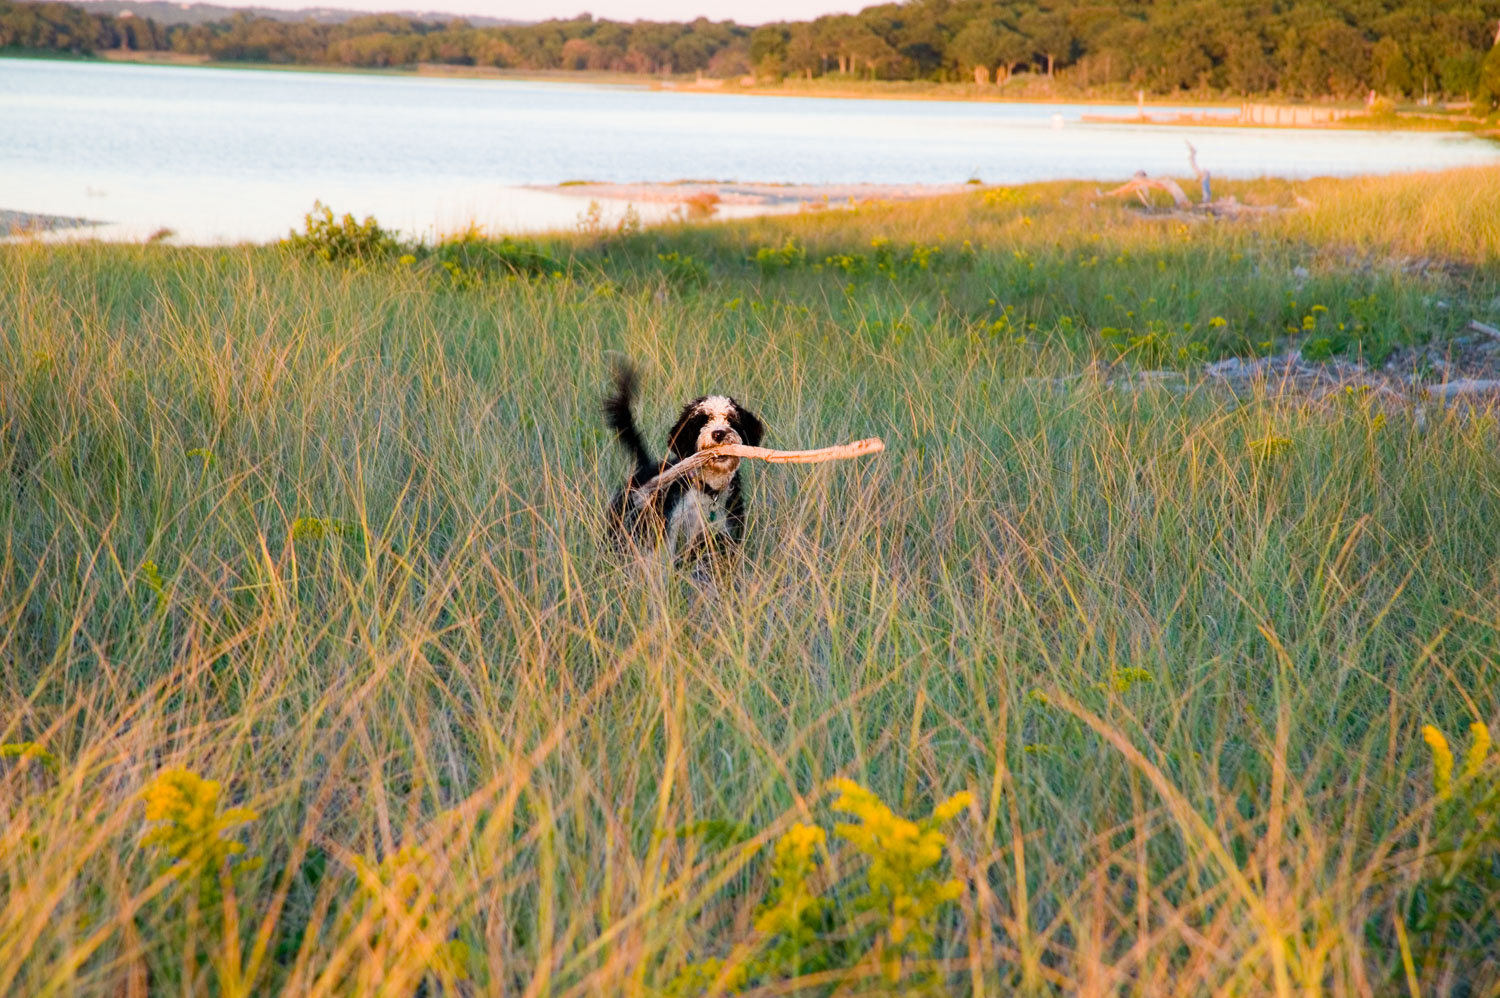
326,532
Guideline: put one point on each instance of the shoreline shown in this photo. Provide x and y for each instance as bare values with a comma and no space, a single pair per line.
893,90
29,223
706,196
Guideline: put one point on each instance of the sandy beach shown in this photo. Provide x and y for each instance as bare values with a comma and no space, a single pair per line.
731,194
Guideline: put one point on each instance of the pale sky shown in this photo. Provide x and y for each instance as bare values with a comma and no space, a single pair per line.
743,11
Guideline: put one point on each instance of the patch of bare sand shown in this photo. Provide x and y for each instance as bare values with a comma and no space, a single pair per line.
690,192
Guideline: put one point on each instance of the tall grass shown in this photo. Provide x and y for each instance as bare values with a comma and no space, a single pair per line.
1185,679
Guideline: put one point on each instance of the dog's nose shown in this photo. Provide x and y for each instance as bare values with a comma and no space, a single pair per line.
719,436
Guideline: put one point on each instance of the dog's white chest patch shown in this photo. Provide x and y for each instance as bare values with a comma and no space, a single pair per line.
696,514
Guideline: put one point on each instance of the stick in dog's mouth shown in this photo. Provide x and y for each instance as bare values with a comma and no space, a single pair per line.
733,452
842,452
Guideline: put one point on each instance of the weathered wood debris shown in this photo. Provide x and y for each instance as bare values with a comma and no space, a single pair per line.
1228,206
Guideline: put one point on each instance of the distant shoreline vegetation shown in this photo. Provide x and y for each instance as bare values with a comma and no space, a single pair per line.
1446,51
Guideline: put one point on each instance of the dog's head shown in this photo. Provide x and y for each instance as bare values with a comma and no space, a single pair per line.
710,421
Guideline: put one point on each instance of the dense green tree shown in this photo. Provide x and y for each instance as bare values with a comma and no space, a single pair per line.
990,43
768,49
1311,48
1487,87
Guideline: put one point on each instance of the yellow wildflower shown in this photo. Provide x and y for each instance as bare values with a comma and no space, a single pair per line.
1269,446
189,825
398,892
953,806
792,902
1479,749
903,858
1442,761
1123,679
28,750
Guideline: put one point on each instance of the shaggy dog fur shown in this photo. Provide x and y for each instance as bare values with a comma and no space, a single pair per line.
694,515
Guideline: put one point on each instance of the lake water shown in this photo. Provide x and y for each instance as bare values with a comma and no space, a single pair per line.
226,154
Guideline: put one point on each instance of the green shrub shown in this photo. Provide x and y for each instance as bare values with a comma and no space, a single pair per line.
683,270
341,240
771,259
472,253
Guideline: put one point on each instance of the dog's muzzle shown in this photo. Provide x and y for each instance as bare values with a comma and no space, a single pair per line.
725,463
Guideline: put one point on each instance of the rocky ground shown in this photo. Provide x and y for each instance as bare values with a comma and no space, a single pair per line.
1461,375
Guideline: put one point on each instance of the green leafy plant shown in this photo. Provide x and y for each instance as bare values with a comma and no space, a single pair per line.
772,259
339,240
683,270
151,576
480,257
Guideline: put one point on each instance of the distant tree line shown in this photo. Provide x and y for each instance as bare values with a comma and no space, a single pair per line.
1320,48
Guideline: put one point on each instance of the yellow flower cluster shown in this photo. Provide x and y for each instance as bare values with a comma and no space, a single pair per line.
1442,761
189,825
203,454
1479,749
1123,679
28,750
314,528
888,919
903,856
152,576
1442,757
793,901
1269,446
399,896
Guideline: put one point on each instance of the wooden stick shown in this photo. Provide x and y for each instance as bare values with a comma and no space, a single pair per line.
841,452
690,464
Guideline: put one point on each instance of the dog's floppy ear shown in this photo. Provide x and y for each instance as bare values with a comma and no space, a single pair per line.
682,438
747,425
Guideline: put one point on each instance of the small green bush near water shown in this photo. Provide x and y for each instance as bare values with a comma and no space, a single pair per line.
474,252
338,240
468,256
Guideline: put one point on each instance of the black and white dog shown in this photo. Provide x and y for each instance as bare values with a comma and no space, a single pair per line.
698,513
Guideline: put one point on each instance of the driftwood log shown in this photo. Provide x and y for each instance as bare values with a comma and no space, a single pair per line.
690,464
1141,185
1228,206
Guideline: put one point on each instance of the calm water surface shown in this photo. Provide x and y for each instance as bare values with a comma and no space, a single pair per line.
225,154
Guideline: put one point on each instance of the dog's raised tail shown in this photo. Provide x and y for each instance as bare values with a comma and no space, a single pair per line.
618,417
